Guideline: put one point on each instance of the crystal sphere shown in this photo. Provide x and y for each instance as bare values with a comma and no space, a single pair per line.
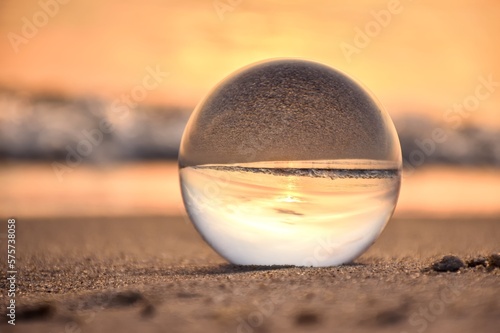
289,162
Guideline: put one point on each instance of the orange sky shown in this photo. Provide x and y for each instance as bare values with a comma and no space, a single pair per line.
428,56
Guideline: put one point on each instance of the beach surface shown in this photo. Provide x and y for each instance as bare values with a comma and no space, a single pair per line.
155,274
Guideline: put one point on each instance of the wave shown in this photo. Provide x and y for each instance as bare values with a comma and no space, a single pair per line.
49,127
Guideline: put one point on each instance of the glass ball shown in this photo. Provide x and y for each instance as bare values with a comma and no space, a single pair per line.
289,162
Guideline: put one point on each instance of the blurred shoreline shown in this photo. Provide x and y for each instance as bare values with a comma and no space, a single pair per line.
33,190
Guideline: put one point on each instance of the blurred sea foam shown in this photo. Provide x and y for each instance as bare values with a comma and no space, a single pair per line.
47,127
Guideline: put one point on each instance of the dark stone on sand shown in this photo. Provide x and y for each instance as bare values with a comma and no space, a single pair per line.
40,311
306,318
494,260
125,298
448,264
148,311
474,262
389,317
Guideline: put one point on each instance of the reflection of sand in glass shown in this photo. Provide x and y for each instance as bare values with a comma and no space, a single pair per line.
262,213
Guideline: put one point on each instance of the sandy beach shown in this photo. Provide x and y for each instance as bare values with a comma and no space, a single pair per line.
155,274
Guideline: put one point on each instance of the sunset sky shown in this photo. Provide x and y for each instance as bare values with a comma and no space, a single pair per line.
423,58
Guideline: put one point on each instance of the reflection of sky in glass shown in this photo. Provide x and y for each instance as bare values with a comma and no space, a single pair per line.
261,218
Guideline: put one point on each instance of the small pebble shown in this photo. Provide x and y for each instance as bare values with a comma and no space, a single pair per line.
125,298
148,311
481,261
390,317
306,318
36,312
448,264
494,260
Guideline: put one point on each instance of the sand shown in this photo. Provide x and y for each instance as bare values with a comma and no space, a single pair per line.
155,274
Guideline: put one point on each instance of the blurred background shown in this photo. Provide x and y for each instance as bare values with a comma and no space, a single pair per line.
94,95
